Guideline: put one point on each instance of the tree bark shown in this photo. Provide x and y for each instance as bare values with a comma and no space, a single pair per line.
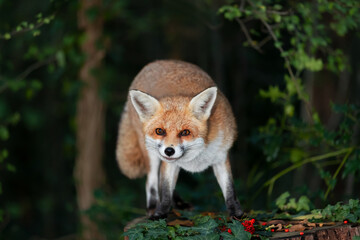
89,173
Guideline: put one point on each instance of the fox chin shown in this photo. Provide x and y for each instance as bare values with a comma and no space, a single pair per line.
176,118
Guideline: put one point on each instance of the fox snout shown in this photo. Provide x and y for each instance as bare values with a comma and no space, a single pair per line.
171,152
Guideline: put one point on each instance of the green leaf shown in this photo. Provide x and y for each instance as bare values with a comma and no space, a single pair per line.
24,24
302,60
7,36
289,110
238,231
134,233
10,167
227,236
273,93
278,44
16,85
303,204
277,7
204,225
316,118
4,153
156,233
290,85
47,20
230,12
291,204
277,18
354,203
60,58
297,155
36,33
212,236
36,85
282,199
4,133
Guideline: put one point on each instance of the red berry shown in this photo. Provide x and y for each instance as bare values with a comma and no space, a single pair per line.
273,230
264,223
301,233
286,230
229,231
345,221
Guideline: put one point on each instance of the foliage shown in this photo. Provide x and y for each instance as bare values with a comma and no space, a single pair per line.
305,40
205,227
340,212
237,232
285,204
34,54
112,212
17,85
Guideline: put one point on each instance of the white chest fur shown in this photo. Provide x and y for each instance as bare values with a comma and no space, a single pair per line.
212,153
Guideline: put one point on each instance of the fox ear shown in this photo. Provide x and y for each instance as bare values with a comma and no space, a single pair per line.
202,103
145,105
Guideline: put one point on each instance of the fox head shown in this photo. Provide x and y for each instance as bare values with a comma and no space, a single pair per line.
175,128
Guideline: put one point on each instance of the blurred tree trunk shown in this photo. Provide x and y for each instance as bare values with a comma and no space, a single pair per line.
89,173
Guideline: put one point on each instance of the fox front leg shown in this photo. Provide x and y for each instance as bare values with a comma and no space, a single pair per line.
223,175
169,173
152,183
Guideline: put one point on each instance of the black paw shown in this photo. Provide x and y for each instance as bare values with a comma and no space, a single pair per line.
158,216
237,215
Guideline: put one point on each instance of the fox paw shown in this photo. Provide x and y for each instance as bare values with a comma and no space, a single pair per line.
237,215
157,216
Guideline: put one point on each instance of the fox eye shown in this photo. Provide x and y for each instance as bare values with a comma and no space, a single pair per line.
185,132
160,131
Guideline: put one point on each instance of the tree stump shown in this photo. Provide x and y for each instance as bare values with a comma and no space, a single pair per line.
337,231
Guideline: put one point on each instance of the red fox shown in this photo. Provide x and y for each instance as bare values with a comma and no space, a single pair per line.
176,118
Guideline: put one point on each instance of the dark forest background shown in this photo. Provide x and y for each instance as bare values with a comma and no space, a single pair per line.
65,69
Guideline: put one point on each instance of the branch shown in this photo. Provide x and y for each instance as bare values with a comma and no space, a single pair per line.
15,32
29,70
247,35
287,63
264,41
35,66
338,171
270,183
282,13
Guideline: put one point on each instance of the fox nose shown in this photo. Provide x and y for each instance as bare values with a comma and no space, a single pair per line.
169,151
